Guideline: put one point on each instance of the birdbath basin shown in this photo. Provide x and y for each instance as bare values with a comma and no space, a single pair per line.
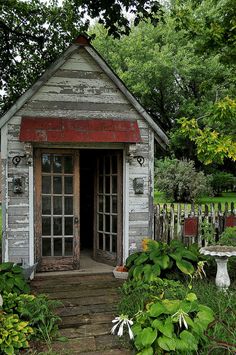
221,253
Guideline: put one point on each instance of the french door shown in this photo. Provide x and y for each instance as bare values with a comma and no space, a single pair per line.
57,209
108,208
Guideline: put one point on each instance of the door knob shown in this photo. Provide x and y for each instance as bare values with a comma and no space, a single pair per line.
76,220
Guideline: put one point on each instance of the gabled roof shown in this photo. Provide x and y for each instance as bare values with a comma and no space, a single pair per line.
84,41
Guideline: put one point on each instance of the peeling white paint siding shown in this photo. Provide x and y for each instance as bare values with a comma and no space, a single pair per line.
4,192
17,229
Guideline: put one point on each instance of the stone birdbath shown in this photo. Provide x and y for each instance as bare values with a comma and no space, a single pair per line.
221,253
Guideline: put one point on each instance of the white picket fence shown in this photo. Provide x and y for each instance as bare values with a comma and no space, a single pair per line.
184,222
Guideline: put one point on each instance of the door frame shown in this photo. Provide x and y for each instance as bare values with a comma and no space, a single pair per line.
55,262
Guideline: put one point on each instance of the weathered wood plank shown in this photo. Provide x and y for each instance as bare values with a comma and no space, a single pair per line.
67,113
82,106
71,97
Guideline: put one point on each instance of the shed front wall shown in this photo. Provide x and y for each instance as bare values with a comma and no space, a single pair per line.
78,89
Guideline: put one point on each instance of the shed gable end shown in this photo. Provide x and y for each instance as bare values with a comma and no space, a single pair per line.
80,89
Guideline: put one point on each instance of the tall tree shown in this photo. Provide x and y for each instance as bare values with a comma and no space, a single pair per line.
34,33
183,68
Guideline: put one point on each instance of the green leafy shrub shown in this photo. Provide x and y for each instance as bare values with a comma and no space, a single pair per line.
39,311
135,295
14,333
222,332
160,328
162,260
222,181
12,279
228,237
180,181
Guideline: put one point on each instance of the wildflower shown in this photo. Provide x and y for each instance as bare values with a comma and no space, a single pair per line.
122,321
180,315
200,269
145,244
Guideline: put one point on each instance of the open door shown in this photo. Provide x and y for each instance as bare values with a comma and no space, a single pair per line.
57,209
108,208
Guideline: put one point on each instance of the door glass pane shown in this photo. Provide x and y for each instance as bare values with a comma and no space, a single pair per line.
68,205
107,204
100,197
68,164
107,223
46,246
57,164
107,185
114,184
46,204
100,222
114,242
57,205
68,246
46,163
46,225
57,185
114,224
68,225
68,185
107,242
46,184
57,246
114,204
114,165
57,226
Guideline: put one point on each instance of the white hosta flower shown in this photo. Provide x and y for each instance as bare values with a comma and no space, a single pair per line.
122,321
1,300
180,315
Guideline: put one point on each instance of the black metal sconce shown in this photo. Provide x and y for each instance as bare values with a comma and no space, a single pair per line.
140,159
28,155
17,159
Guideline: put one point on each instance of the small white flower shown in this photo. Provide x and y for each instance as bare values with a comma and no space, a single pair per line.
122,321
180,315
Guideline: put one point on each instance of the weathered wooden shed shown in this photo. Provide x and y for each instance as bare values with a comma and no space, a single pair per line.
77,166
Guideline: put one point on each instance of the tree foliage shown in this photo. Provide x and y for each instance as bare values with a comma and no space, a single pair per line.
185,67
180,181
34,33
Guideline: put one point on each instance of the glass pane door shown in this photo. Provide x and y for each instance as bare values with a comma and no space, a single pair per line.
57,205
108,207
57,226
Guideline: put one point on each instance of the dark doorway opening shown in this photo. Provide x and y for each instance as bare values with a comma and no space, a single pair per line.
87,171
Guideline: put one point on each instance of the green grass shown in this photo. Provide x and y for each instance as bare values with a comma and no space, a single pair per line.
159,197
221,333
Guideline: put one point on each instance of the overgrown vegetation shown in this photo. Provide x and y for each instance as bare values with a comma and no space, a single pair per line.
23,317
172,316
180,181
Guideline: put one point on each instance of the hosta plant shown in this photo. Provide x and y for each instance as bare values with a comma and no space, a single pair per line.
14,333
172,326
38,311
12,279
160,260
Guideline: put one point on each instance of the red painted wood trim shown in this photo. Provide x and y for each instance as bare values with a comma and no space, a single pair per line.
61,130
